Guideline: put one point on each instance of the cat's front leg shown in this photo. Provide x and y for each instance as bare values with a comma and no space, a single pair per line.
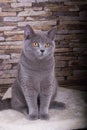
31,99
30,95
33,107
27,84
45,99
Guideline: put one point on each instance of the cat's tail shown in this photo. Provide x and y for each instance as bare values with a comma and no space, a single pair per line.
5,104
57,105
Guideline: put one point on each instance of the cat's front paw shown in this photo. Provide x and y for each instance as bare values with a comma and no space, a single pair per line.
44,116
33,117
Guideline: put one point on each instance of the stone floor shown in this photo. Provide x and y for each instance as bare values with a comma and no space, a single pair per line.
72,117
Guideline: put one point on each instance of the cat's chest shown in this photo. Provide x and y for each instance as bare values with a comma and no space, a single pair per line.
40,80
36,71
34,65
35,75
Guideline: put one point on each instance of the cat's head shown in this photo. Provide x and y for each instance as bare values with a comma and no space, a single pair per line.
39,45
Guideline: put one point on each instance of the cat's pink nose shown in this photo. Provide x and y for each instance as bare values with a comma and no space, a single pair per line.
42,51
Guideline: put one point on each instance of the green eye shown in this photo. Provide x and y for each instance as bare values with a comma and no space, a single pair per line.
35,44
47,45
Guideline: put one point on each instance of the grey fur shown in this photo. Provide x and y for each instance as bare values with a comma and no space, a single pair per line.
36,77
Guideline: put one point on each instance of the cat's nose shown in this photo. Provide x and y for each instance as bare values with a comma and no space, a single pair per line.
42,51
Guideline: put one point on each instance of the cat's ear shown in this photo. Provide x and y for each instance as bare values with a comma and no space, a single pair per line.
51,33
28,32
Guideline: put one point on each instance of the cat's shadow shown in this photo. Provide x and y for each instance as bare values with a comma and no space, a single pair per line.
57,105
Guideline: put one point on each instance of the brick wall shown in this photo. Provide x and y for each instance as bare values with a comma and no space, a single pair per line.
70,17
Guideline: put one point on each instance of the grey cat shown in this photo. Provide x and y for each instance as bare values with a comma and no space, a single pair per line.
35,86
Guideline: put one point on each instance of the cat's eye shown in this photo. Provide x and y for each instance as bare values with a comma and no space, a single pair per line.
35,44
47,45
